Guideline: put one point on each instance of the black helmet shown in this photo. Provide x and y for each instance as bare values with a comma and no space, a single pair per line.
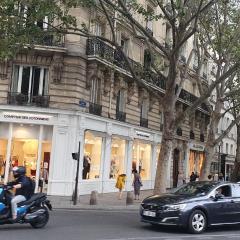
19,171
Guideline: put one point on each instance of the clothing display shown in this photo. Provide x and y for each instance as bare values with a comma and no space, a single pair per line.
86,167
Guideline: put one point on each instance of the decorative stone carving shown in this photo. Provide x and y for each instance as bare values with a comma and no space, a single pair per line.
3,69
142,94
131,91
93,71
57,67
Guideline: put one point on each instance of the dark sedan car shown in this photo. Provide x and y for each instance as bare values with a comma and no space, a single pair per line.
195,206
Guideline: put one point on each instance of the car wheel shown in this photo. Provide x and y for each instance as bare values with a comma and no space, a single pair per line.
197,222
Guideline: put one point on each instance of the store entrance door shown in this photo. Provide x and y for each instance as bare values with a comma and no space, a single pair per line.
176,155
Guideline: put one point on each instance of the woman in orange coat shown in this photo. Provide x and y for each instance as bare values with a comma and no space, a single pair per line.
120,184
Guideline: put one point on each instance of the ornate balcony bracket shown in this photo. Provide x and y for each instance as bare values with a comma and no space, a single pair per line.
57,66
131,91
3,69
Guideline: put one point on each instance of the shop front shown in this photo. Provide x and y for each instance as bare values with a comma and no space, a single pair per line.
196,157
25,143
111,149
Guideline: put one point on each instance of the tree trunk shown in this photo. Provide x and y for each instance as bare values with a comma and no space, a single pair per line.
169,117
210,143
163,163
166,144
209,156
236,171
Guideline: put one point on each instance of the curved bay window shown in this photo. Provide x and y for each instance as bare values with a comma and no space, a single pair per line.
141,158
92,155
118,153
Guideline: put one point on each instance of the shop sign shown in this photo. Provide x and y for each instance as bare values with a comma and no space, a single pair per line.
26,116
196,147
82,103
143,134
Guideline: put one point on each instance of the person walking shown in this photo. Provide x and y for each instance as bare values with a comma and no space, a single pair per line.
120,184
193,177
137,184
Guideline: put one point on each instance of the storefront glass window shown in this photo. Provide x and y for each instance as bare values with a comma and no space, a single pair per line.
195,162
92,156
141,159
117,165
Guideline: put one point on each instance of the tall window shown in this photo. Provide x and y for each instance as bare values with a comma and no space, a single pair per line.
149,22
30,80
226,148
120,105
231,150
168,35
95,93
99,29
144,109
125,45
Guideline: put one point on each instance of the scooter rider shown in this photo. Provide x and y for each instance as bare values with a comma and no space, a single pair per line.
22,185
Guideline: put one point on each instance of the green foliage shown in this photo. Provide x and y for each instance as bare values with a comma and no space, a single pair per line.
25,23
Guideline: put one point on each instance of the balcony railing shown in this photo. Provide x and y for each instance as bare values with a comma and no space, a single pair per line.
143,122
23,100
98,48
95,109
50,40
121,116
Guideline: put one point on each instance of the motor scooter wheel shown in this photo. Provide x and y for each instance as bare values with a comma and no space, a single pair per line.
41,220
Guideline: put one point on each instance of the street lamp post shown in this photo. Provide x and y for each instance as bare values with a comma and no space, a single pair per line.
76,156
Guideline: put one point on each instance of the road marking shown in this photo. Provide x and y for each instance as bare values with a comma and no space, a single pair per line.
183,237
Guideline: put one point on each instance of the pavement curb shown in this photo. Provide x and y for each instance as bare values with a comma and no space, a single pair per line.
95,209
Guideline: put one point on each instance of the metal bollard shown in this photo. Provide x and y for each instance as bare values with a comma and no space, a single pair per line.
129,199
93,198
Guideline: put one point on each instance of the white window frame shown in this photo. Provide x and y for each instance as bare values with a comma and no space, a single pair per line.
19,79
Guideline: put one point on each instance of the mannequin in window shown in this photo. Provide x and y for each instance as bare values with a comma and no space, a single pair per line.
113,169
86,166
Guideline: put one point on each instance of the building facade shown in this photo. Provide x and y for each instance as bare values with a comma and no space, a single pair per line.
80,91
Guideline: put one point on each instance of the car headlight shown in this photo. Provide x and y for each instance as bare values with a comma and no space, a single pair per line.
177,207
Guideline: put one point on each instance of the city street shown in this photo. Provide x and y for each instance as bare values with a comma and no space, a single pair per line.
106,225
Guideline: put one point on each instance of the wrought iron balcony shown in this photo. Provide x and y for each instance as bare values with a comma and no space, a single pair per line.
121,116
179,131
202,137
50,40
23,100
143,122
95,109
99,49
192,135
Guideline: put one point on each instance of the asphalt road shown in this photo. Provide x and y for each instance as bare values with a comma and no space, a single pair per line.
107,225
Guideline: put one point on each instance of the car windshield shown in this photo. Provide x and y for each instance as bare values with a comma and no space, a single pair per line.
196,188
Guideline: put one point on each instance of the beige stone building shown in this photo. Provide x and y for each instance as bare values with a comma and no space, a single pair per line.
76,90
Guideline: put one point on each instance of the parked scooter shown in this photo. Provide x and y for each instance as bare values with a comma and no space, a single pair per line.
34,211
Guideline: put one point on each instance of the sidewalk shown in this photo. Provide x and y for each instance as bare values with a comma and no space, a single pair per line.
106,201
